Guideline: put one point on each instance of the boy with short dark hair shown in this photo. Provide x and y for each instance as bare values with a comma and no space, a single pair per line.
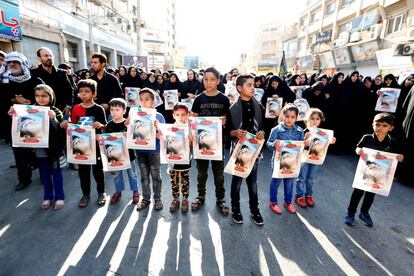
89,113
149,160
245,115
117,107
208,104
380,140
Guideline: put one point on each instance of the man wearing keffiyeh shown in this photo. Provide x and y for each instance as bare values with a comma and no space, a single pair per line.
20,90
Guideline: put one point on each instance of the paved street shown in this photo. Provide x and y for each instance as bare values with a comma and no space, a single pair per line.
117,240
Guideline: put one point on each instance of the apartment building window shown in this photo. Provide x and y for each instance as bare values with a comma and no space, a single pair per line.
302,45
269,43
396,23
316,17
330,8
346,3
347,27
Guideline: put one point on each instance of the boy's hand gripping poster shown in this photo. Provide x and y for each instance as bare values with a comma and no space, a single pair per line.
170,99
208,138
175,144
387,99
30,126
320,140
114,152
132,96
303,106
375,171
273,107
141,131
288,159
244,156
80,143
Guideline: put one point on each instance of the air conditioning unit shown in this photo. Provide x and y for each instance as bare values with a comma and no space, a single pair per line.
408,49
343,38
355,37
375,31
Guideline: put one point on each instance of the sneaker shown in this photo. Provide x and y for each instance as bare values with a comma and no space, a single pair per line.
237,217
309,201
257,218
175,204
300,201
84,201
366,219
349,220
115,197
135,198
184,206
275,208
222,206
290,207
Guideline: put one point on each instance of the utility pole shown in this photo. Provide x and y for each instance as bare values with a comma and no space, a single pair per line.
91,43
139,50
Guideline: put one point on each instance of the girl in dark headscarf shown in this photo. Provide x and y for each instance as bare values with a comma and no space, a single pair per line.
315,96
314,78
151,83
191,85
122,71
295,81
165,76
143,75
258,82
390,81
161,83
303,79
133,79
226,78
377,83
172,84
406,85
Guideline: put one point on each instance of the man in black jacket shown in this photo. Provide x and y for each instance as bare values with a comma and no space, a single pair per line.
20,90
108,85
55,78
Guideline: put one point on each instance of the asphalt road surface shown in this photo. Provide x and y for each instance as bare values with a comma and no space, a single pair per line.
117,240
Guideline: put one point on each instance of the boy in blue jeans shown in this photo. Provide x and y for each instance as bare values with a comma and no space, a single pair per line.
117,107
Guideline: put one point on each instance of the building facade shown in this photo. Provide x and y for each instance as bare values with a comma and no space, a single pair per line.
10,26
346,35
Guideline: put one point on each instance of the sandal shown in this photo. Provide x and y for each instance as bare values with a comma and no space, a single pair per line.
46,204
224,209
184,206
158,205
175,204
135,197
59,204
143,204
197,203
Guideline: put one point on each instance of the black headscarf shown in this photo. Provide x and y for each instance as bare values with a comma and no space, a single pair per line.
315,99
394,83
133,81
282,90
153,85
292,81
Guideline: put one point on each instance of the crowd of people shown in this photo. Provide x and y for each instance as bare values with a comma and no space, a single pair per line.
342,103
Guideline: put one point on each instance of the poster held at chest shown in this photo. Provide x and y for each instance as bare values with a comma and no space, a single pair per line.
258,94
80,144
114,153
141,131
288,159
273,107
207,142
387,99
30,126
375,171
320,141
175,145
298,90
244,156
132,96
188,102
303,106
170,99
231,93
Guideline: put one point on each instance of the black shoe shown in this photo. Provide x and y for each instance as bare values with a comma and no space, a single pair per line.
84,201
20,186
257,218
237,217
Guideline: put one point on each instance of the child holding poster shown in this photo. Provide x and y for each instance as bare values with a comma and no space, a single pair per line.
149,160
246,115
286,130
48,158
313,118
380,140
92,114
180,173
118,106
211,103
